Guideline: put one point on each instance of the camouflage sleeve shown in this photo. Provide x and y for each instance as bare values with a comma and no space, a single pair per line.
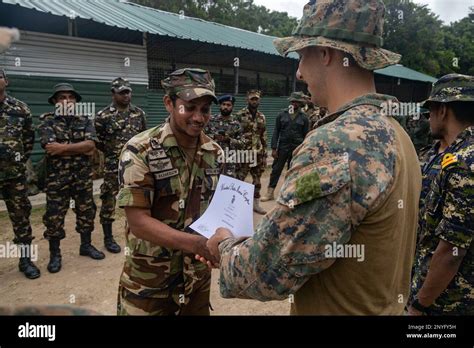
306,125
144,121
457,225
288,247
135,180
90,133
236,139
263,135
28,135
46,132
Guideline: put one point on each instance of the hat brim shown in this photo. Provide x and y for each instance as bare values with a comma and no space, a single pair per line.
194,93
78,96
121,89
368,57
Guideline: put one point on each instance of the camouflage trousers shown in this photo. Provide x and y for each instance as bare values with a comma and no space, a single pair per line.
60,196
108,192
15,194
129,303
256,172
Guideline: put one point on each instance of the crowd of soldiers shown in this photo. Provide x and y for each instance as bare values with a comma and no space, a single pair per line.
69,140
354,179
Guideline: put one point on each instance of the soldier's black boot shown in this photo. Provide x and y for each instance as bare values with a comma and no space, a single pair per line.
109,240
87,249
54,265
28,268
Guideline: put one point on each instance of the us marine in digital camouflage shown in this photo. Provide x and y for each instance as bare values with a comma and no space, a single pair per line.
69,141
17,137
443,274
115,125
354,182
168,175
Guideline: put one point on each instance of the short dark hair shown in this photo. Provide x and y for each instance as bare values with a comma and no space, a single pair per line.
463,111
173,98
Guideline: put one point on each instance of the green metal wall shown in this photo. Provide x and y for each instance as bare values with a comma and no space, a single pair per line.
35,91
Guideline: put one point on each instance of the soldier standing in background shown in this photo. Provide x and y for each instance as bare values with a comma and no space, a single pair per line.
115,125
224,129
69,141
291,127
168,175
443,272
254,131
16,143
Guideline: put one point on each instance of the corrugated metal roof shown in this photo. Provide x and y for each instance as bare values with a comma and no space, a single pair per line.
403,72
135,17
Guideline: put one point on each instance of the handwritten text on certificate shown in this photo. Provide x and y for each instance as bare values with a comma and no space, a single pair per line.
231,207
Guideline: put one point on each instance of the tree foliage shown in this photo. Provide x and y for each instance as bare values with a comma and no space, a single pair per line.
413,30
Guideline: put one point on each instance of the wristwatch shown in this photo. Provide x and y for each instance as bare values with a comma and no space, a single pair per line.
419,307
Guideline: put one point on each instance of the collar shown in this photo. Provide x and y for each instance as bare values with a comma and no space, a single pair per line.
373,99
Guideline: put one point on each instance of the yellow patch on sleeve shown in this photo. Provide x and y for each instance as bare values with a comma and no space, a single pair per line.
448,159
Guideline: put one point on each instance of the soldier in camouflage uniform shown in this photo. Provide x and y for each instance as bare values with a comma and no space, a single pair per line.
115,125
167,177
353,183
254,132
69,141
224,129
443,274
16,143
291,127
315,113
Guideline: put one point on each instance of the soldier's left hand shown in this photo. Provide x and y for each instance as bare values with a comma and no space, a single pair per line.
413,312
55,149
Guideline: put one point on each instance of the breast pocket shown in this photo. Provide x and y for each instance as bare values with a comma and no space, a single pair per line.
168,205
14,126
78,133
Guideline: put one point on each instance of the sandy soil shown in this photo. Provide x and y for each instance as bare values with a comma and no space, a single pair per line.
93,284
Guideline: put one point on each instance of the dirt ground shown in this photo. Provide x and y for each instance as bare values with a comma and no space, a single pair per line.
93,284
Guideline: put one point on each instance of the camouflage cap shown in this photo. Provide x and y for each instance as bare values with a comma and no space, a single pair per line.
63,87
451,88
120,84
254,93
355,27
189,84
298,97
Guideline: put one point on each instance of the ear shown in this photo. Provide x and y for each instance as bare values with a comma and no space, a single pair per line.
168,104
443,112
6,82
326,55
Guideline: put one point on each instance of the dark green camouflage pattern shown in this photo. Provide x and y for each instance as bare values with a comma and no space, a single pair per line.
114,128
68,177
189,84
153,174
452,88
448,214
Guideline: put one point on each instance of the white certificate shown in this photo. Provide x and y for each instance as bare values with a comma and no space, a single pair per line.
231,207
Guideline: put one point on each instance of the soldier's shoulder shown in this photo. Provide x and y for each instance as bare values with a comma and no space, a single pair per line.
210,145
105,111
18,104
46,116
137,109
141,141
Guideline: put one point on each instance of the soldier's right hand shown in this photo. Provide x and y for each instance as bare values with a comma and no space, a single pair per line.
201,249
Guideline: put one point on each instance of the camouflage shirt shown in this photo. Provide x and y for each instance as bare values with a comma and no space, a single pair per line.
67,130
16,137
228,126
115,128
254,130
339,177
153,175
448,214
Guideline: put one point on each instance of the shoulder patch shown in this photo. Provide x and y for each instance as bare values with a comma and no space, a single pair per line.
448,160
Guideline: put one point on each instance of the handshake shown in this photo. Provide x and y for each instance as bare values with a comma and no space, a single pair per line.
207,250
